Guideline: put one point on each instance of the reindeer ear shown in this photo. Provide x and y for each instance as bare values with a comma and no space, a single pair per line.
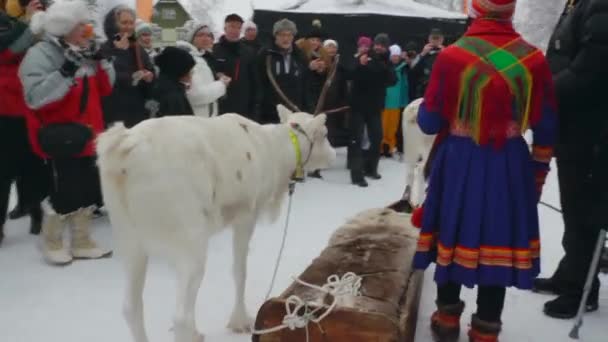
320,120
284,113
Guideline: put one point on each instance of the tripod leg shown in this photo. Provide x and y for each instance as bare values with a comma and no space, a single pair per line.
574,333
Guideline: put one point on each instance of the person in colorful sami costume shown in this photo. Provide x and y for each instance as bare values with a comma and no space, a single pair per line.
480,220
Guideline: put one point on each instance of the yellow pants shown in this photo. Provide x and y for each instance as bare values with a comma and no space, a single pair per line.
390,126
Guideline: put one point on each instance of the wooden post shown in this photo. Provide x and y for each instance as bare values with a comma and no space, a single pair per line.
144,10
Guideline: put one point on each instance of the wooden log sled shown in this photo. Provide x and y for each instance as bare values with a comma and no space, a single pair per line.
379,246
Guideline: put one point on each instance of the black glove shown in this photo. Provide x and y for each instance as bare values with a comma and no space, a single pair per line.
69,68
73,60
95,53
98,56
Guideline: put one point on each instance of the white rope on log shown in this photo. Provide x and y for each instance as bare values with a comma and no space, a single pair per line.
299,314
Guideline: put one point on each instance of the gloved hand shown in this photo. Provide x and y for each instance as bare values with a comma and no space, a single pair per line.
94,52
73,61
540,175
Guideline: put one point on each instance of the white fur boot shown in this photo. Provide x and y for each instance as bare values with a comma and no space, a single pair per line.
83,247
55,253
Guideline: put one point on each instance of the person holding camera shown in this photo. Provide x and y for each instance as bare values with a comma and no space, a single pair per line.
421,71
64,77
370,79
130,102
18,161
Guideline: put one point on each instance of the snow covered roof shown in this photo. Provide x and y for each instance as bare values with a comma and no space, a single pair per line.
407,8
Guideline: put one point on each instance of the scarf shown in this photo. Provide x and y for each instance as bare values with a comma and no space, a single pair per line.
488,79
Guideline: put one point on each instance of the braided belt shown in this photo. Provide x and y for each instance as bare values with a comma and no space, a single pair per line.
513,130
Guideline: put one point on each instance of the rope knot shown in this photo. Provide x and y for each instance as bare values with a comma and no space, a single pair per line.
349,284
293,320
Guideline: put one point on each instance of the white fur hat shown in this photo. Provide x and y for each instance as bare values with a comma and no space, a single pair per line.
395,50
60,18
249,25
330,42
194,27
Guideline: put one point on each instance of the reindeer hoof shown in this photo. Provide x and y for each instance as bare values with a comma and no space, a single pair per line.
241,325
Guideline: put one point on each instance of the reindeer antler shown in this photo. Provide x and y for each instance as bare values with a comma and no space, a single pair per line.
326,86
276,87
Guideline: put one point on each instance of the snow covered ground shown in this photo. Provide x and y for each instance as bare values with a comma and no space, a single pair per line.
82,302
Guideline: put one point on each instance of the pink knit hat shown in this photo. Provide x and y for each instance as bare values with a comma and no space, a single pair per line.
364,41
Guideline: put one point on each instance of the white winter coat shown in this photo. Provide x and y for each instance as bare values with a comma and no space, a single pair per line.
204,90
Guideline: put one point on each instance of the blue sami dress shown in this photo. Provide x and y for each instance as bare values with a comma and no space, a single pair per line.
480,220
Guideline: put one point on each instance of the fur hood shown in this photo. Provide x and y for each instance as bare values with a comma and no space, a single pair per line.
304,46
110,26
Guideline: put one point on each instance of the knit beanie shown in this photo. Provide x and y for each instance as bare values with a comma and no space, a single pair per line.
316,31
142,27
330,42
250,25
364,41
174,62
284,25
411,46
494,9
196,27
395,50
382,39
60,18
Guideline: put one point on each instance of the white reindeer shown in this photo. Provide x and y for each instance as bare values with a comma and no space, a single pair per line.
416,149
171,183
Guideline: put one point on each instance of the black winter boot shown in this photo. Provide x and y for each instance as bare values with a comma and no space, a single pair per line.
566,306
546,285
371,166
36,220
445,322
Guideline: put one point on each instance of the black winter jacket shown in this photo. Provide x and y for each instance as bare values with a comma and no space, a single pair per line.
369,84
237,61
578,55
293,81
171,95
127,102
255,45
421,73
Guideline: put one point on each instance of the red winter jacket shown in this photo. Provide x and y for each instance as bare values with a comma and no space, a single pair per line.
54,98
11,92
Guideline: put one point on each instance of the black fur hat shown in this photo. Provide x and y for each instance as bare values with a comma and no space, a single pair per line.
174,62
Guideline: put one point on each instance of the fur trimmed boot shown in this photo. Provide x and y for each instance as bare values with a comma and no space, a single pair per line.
445,322
482,331
83,247
53,249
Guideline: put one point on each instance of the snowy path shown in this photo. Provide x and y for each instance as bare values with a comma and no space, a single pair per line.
83,302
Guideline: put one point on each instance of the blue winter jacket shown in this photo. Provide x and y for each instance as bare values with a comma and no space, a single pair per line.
397,96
